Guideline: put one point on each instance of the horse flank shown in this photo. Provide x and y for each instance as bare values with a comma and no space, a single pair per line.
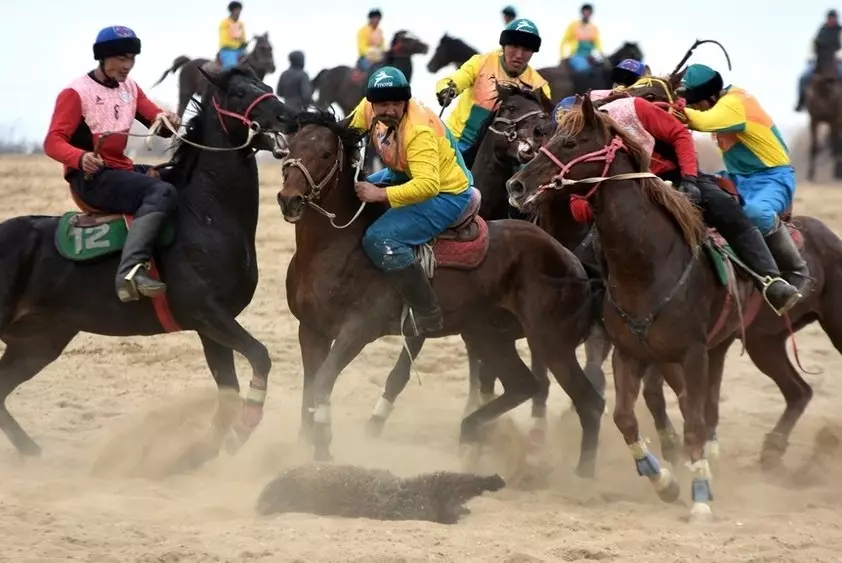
686,215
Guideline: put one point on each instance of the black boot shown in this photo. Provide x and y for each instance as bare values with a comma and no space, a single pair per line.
133,272
751,249
415,288
792,265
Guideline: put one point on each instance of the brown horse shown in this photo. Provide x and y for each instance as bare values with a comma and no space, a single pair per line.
338,84
564,82
190,81
526,284
661,296
510,138
766,334
824,105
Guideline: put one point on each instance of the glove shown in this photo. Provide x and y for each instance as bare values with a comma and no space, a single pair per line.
446,95
689,188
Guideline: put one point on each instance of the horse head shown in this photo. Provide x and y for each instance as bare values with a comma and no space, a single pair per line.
442,55
627,50
320,152
261,58
519,123
406,44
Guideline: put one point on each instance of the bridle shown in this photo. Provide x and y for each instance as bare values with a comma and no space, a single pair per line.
509,130
314,193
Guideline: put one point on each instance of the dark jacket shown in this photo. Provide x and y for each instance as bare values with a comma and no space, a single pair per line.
294,85
828,37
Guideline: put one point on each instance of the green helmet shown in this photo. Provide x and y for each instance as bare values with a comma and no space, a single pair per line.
700,82
521,33
388,84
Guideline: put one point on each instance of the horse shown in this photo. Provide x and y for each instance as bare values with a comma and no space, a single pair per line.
338,85
508,280
191,80
564,82
451,50
662,295
58,272
765,333
510,138
824,105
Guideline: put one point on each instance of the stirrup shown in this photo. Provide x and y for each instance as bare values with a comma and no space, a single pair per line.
129,290
767,282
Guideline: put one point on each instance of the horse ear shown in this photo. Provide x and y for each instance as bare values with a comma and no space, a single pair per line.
675,79
346,122
588,110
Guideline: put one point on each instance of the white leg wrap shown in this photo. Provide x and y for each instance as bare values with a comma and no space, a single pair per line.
712,449
383,408
322,414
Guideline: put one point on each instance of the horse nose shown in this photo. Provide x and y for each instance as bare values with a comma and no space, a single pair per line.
515,188
291,206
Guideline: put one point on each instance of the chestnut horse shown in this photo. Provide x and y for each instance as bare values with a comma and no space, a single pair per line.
527,285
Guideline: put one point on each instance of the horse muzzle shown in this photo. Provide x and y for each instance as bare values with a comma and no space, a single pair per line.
516,191
526,151
292,207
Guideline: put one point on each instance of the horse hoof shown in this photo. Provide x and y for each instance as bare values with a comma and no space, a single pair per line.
700,512
672,492
586,471
374,426
322,454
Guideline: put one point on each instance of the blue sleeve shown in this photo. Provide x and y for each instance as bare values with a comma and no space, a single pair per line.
382,176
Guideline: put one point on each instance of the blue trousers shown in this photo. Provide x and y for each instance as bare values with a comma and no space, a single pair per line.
229,57
804,79
766,194
389,240
580,63
363,64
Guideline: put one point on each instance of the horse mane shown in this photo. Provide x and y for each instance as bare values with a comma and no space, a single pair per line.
506,90
686,215
351,138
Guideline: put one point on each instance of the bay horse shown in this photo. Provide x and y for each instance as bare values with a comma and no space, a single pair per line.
564,82
523,283
824,105
210,267
450,50
765,332
510,138
662,297
190,81
339,86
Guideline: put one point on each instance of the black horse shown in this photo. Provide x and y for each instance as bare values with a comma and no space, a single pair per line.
451,50
210,267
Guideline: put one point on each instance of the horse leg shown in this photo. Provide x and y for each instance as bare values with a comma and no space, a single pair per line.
395,384
628,372
587,401
597,348
538,433
768,352
21,361
226,331
348,344
653,395
716,368
697,392
480,391
314,349
814,149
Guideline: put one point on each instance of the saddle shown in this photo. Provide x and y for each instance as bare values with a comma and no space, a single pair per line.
84,220
465,228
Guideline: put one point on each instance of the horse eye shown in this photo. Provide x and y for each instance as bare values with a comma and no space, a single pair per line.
326,155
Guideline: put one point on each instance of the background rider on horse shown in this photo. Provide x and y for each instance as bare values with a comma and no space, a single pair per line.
475,82
756,158
509,15
624,75
232,37
580,41
430,188
371,45
98,110
827,39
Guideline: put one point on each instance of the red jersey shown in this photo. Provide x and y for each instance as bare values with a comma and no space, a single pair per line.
668,142
85,110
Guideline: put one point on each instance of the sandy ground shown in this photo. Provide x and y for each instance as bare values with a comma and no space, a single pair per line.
108,426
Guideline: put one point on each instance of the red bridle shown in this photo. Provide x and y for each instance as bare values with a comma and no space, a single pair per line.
579,206
220,111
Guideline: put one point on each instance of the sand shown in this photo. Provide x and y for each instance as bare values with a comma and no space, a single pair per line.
101,493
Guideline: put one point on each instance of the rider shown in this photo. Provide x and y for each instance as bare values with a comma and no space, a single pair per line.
429,189
828,37
673,158
107,100
476,82
371,44
294,85
626,73
232,37
756,159
509,14
580,40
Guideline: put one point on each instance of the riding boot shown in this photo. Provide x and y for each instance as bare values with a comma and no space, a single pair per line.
133,278
801,101
752,250
415,288
792,265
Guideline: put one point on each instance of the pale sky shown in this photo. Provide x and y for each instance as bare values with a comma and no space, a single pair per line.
48,42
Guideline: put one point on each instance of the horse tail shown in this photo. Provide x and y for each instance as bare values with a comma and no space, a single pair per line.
18,240
315,82
176,64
